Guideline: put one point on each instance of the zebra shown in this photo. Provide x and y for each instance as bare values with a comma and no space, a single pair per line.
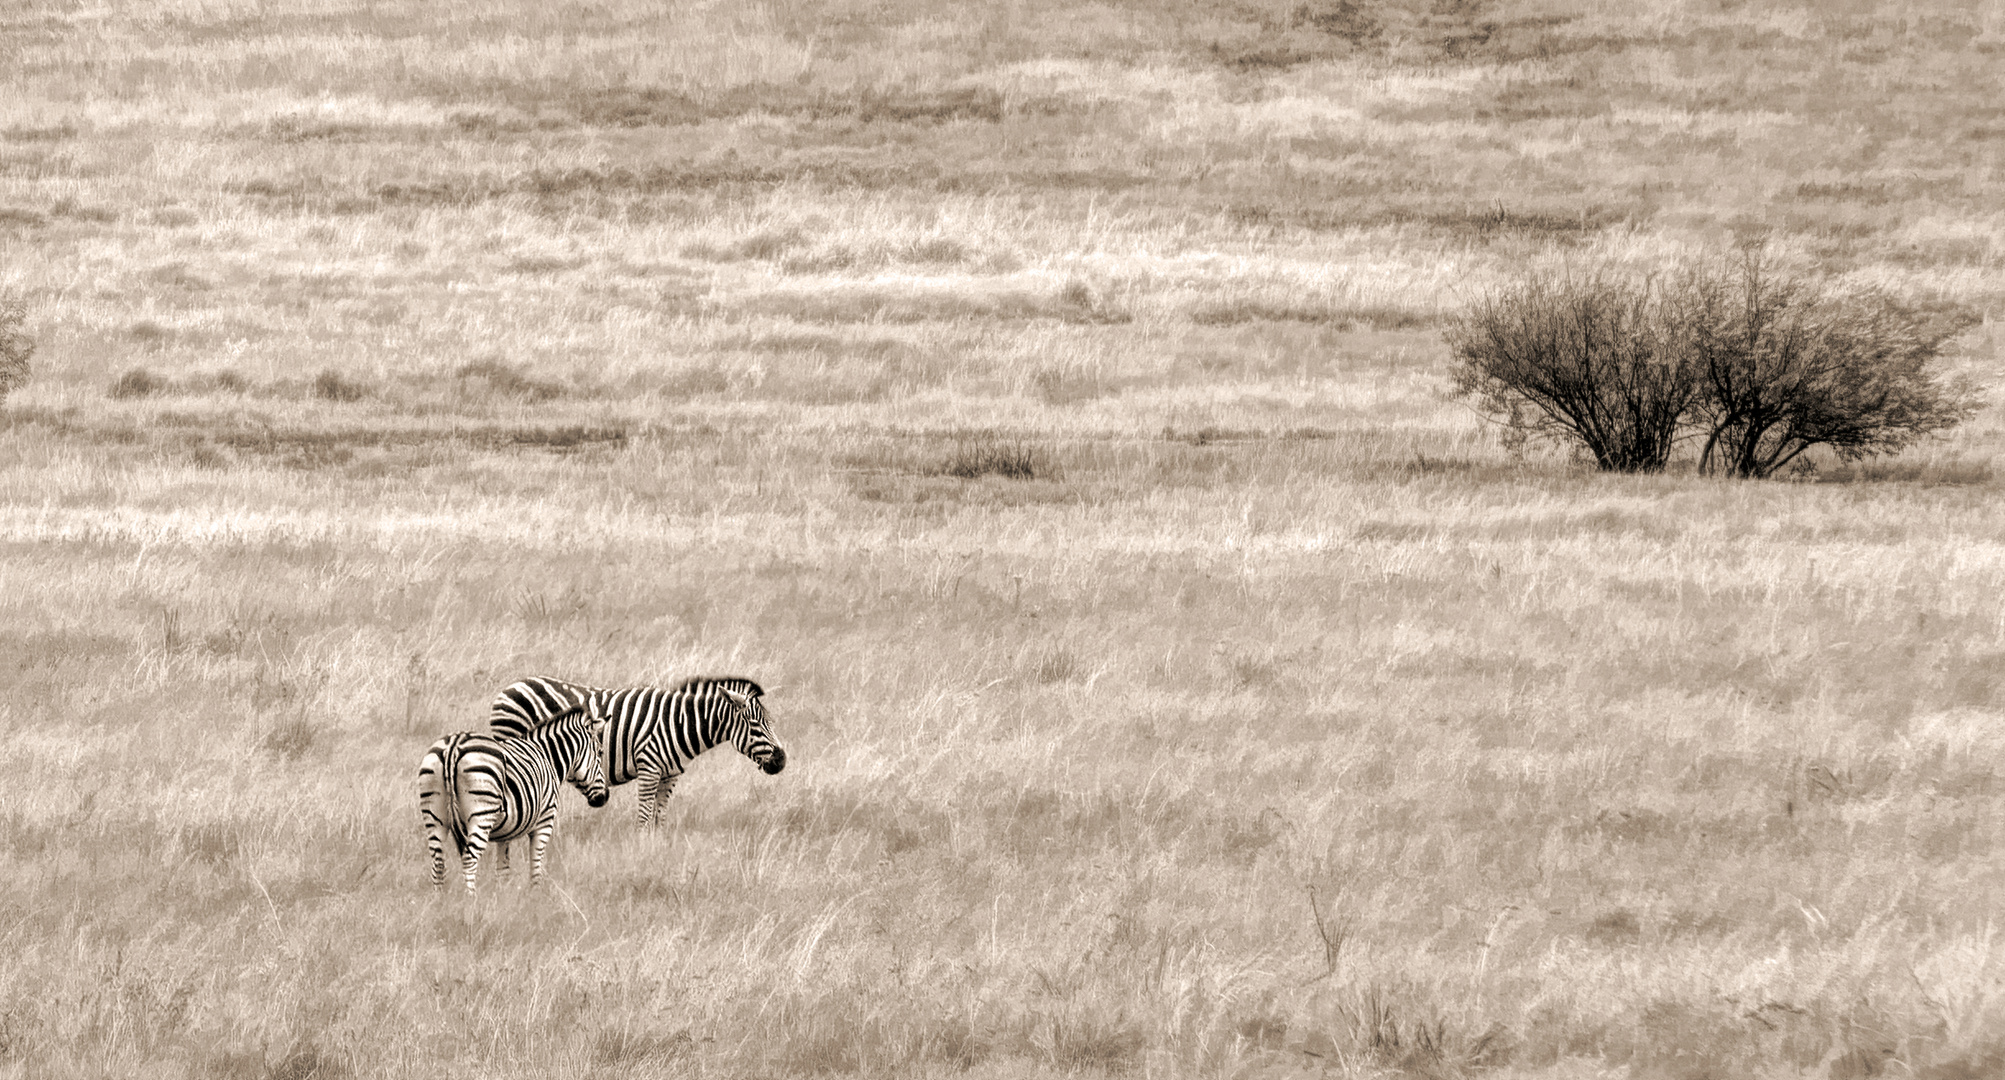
475,788
651,733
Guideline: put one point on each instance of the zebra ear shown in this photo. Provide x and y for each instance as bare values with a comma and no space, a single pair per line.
744,700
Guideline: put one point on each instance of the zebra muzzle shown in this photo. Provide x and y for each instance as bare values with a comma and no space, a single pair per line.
775,763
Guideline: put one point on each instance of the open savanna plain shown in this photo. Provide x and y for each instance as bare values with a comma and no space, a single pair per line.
1047,403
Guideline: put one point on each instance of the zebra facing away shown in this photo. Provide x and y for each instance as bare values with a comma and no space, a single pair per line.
475,789
650,732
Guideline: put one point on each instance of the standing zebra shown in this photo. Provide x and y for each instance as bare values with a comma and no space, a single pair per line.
475,788
651,733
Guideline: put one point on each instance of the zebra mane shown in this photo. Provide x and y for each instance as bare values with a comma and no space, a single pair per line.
745,685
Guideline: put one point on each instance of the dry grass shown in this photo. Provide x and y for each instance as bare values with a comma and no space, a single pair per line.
1046,402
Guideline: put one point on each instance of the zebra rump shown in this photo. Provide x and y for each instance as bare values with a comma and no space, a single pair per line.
475,789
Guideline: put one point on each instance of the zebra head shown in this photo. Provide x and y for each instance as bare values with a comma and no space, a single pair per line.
752,735
574,744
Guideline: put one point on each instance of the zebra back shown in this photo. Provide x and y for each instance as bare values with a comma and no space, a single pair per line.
534,701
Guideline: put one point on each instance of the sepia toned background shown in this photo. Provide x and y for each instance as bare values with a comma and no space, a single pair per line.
1046,402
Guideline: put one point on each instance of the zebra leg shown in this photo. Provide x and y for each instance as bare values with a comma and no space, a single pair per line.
646,783
438,862
476,842
539,842
655,788
438,858
435,845
435,813
662,791
500,861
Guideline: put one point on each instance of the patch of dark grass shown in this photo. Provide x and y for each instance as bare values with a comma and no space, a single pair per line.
332,385
1955,472
319,449
1401,1027
17,346
1616,927
151,335
619,1052
762,245
935,251
887,304
1249,57
291,738
137,383
493,376
56,133
1499,220
991,455
303,1062
819,343
1060,384
213,843
202,453
297,128
694,382
1079,303
1570,99
569,437
1208,434
671,191
1053,664
653,106
177,275
1846,191
1246,310
543,264
1346,19
69,207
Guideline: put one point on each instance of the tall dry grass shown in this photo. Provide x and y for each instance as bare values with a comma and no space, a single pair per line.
1278,719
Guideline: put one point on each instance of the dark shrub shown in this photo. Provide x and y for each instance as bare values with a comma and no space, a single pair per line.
1763,365
1784,367
1587,356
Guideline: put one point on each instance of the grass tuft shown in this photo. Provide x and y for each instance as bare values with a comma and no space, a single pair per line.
988,454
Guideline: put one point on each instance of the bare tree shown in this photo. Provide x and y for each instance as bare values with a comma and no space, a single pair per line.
15,345
1785,368
1763,365
1586,356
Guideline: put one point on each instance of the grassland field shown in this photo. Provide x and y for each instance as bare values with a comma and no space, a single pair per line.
1047,403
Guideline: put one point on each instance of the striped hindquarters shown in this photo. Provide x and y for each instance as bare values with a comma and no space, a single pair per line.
476,789
497,786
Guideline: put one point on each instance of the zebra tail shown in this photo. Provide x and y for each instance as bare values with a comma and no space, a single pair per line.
451,801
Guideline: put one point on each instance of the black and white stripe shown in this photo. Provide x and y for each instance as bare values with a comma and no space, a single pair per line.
475,789
651,733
